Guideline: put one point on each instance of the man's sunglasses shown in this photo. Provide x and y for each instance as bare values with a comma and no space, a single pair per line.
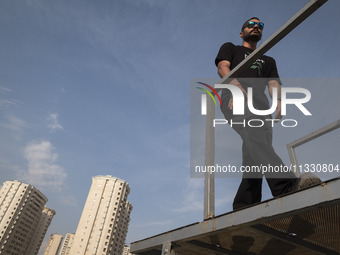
252,24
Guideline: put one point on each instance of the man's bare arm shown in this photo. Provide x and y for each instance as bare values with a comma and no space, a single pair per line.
223,68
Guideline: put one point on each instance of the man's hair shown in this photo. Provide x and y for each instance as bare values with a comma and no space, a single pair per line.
246,23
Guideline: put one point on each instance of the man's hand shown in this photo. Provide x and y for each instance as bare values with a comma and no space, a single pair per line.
278,115
237,84
275,84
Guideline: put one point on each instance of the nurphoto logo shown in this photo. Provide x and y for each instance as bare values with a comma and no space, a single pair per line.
239,99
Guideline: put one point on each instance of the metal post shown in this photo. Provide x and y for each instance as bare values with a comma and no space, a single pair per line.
167,249
209,178
209,184
293,160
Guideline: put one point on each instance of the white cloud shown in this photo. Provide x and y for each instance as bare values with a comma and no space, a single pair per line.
53,123
42,170
15,125
5,101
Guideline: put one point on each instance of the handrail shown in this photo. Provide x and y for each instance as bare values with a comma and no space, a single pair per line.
315,134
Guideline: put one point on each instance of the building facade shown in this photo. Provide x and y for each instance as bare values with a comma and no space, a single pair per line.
66,245
126,250
21,226
40,231
104,222
53,244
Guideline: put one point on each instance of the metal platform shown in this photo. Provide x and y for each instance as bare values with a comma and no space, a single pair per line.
305,222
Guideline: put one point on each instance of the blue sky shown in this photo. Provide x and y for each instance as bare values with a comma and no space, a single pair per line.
103,88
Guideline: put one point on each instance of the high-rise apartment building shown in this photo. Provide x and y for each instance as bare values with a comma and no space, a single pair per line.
126,250
104,222
53,244
66,245
21,225
123,226
40,231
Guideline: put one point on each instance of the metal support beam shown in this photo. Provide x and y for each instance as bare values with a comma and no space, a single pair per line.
167,249
299,17
209,178
215,248
295,240
291,146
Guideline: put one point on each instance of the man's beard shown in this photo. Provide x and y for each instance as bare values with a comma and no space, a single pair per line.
252,37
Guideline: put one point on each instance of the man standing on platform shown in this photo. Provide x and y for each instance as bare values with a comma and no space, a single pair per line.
257,146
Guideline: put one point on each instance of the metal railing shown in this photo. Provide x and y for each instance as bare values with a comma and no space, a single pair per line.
291,146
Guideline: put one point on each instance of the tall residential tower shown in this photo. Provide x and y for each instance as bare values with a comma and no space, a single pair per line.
23,223
53,244
40,231
66,245
104,222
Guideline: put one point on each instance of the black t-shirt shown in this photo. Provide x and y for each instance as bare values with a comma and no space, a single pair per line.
261,71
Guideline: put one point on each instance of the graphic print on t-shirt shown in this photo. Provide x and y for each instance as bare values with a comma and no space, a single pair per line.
258,64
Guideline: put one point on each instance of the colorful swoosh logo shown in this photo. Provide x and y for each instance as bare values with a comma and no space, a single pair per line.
209,93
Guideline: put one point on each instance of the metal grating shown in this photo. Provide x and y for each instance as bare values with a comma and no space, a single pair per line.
319,228
306,222
313,232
